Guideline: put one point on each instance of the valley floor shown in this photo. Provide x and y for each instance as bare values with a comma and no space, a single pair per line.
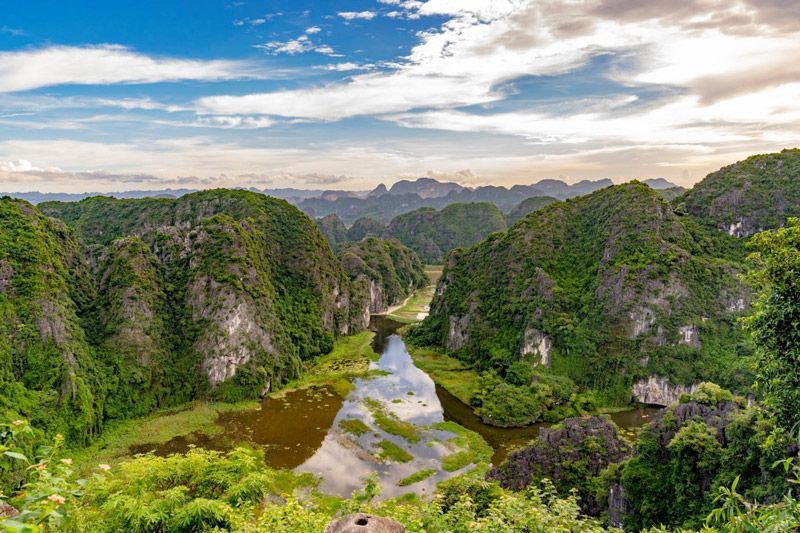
416,307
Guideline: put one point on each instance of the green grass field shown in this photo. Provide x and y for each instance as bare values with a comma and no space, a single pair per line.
455,376
412,309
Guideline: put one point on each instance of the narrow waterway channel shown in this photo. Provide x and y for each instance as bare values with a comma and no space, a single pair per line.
304,430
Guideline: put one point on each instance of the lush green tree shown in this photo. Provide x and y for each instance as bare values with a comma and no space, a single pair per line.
775,322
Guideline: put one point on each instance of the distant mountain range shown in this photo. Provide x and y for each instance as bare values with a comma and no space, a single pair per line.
423,192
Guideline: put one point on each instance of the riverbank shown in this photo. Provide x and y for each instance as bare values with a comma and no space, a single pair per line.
416,306
159,427
349,359
448,372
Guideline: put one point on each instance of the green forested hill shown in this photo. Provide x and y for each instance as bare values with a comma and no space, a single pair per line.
607,289
365,227
749,196
385,270
146,303
47,367
432,234
333,229
527,206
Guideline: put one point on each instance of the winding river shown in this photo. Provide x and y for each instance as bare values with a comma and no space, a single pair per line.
302,429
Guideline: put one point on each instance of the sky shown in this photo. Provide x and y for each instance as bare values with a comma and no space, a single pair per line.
111,96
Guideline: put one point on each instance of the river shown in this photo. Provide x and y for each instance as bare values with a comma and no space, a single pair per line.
302,429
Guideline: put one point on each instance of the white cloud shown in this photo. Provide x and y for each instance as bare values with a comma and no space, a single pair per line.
357,15
728,71
345,66
300,45
107,64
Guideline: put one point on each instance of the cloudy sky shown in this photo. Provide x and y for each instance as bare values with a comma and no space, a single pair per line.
108,96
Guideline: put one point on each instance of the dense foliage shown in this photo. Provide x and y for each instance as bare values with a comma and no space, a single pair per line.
432,234
749,196
774,323
206,490
690,452
333,229
528,206
385,270
592,284
143,304
48,371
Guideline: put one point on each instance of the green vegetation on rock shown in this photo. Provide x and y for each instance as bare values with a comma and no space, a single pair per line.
333,229
135,305
590,285
758,193
528,206
385,271
432,234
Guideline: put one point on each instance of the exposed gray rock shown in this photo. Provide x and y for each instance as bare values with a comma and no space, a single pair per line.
617,505
457,335
6,272
364,523
689,336
51,324
238,333
641,320
657,390
587,443
539,345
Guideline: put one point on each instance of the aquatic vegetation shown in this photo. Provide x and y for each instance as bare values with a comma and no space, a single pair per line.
354,426
392,452
390,423
416,477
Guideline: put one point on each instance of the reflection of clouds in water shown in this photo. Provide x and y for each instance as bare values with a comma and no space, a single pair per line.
344,466
423,408
341,469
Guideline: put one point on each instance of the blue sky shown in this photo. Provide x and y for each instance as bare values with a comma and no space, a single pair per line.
105,96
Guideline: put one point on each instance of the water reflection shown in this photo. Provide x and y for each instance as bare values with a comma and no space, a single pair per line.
343,461
302,430
290,428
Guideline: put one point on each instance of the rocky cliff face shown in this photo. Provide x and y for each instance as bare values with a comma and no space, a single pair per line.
610,288
47,369
749,196
657,390
386,270
569,456
220,293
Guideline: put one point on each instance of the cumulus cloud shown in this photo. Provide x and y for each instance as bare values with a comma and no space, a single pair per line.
107,64
357,15
726,72
300,45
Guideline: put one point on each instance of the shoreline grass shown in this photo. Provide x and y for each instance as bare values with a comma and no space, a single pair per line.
393,452
409,312
472,449
349,359
456,376
416,477
157,428
390,423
